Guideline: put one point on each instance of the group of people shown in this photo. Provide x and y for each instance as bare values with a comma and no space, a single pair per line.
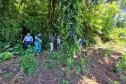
28,40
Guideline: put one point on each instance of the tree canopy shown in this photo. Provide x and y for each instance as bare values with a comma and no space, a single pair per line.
73,19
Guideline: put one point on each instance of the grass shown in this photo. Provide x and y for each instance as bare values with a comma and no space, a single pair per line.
112,45
28,79
8,75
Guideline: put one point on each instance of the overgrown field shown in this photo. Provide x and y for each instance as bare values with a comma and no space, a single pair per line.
93,66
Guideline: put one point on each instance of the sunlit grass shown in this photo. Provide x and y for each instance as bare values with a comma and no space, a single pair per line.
116,45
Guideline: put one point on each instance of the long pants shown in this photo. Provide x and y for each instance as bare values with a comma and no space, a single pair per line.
51,46
81,48
37,46
26,44
58,46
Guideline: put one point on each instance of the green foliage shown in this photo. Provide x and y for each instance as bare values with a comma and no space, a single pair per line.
70,63
65,82
17,49
118,34
57,57
48,64
6,56
69,25
122,64
28,64
97,20
83,65
121,24
29,79
78,70
30,50
106,53
8,75
108,82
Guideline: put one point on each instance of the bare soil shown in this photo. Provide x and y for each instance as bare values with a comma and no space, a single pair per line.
100,70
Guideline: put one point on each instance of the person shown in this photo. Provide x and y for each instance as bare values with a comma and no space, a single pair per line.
38,42
51,41
80,44
58,43
28,40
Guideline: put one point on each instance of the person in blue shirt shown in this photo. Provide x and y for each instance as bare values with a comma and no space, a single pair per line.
36,42
28,40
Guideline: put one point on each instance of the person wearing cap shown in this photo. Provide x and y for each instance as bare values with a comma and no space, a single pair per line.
58,43
80,44
28,40
38,42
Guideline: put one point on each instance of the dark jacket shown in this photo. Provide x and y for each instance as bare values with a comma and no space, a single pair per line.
51,39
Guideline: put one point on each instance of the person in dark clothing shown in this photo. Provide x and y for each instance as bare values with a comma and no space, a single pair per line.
28,40
51,42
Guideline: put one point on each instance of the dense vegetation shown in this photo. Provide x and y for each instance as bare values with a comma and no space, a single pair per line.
94,21
90,18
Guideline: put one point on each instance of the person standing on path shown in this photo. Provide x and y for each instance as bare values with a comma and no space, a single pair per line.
28,40
37,42
51,41
80,44
58,43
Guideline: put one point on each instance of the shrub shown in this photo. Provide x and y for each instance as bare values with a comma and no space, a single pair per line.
6,56
28,64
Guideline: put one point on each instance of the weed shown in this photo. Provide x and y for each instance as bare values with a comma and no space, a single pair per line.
97,51
106,54
83,66
78,70
108,82
8,75
98,62
57,57
65,82
59,65
28,79
87,50
60,74
13,62
122,64
48,64
47,54
30,50
92,58
18,50
70,63
6,56
28,63
1,65
94,65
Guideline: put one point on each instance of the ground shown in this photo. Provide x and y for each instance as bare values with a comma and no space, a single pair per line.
101,69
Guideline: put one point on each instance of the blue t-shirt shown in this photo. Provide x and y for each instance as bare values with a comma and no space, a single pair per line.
37,37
